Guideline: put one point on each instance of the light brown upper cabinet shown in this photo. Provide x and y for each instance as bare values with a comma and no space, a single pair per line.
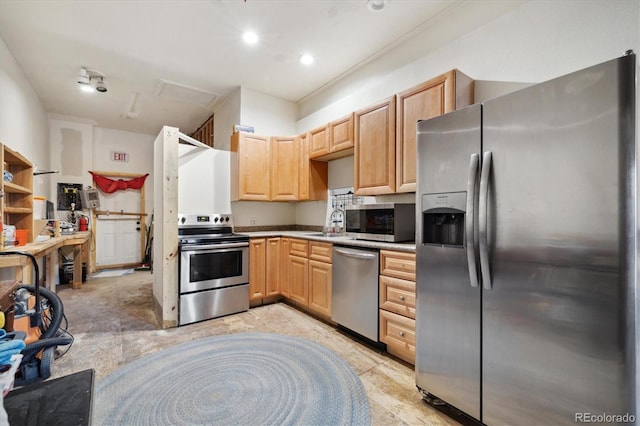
275,169
341,136
250,167
375,149
284,168
318,141
335,140
445,93
314,175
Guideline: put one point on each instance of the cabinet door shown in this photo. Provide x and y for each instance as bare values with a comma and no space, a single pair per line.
250,161
424,101
341,134
257,268
318,142
284,173
284,267
303,177
299,280
313,180
273,266
320,287
375,150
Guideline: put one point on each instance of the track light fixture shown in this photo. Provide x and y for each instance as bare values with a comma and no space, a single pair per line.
91,80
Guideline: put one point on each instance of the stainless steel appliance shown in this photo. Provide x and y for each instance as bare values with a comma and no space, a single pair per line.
527,252
214,267
354,293
388,222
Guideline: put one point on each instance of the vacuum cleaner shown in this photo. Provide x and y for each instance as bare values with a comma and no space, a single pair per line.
38,313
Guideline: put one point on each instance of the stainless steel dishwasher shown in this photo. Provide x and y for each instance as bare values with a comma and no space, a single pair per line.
354,298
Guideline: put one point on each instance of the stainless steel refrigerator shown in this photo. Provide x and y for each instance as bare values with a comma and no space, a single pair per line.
527,251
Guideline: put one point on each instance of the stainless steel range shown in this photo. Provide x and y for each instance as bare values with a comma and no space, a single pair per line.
214,267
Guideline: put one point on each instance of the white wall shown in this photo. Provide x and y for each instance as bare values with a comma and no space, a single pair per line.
258,213
203,180
139,148
77,146
537,41
23,118
71,150
268,115
224,118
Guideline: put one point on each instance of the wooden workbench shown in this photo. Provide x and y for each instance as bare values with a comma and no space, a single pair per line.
24,268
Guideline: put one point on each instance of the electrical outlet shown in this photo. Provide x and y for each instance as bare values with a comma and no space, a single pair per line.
252,221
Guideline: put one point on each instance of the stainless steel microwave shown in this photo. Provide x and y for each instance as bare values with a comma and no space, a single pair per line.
387,222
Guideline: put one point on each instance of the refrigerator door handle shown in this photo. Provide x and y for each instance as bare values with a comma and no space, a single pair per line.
470,215
482,221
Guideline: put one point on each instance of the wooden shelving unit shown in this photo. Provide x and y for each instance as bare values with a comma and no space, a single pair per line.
17,200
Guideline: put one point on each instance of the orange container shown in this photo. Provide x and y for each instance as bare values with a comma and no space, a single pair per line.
21,236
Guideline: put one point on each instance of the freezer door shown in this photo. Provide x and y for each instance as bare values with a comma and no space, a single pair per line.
554,314
447,305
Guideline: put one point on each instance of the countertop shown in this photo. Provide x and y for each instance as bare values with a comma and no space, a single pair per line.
343,241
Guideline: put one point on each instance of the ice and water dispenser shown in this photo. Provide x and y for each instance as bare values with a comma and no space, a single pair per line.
443,218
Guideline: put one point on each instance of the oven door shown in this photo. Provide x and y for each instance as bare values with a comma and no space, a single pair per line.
209,266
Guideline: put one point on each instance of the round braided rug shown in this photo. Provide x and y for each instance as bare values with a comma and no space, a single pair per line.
237,379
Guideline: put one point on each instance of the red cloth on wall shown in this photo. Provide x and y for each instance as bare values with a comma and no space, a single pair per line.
109,185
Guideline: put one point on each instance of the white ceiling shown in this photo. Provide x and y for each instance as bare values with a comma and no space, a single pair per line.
137,44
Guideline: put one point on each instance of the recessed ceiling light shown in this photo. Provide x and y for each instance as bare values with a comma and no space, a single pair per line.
306,59
376,5
250,37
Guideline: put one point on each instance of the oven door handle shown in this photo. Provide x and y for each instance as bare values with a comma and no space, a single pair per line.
199,247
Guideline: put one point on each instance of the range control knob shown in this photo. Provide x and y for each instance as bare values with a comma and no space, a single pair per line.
216,219
227,219
183,219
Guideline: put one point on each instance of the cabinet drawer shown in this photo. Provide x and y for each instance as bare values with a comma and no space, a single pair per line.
299,248
398,296
399,334
398,264
320,251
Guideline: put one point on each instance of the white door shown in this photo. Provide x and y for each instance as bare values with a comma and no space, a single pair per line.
118,236
117,241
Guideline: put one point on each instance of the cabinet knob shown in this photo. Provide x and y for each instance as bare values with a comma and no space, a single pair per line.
402,298
401,334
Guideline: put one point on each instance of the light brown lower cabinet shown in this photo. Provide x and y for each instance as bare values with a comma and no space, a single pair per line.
320,287
272,267
310,275
284,267
299,279
257,268
264,268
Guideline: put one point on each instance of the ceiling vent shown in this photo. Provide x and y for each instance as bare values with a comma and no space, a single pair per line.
180,92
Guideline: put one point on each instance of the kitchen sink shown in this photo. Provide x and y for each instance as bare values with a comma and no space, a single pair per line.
320,234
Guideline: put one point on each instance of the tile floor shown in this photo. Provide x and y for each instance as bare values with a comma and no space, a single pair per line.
113,323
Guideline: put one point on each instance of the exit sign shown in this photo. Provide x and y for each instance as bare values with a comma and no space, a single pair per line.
121,157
